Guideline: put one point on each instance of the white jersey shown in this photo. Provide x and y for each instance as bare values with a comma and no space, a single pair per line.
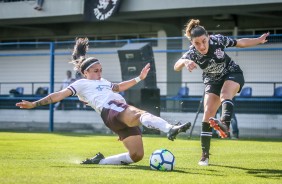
96,93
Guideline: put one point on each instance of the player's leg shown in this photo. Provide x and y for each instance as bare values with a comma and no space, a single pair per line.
110,115
232,85
135,152
130,116
133,116
211,104
134,145
229,90
132,140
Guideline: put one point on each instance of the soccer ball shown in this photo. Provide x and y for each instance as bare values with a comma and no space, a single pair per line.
162,160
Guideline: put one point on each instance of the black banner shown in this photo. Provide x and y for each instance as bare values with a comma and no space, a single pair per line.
100,10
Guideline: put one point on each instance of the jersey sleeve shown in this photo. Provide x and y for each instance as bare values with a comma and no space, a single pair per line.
190,54
75,87
226,41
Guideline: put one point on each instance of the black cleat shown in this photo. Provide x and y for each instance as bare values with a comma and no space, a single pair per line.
95,160
176,129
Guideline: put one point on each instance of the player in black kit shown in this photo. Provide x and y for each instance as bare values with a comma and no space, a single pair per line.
222,77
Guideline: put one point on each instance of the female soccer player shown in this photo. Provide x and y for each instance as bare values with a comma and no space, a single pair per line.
101,95
222,77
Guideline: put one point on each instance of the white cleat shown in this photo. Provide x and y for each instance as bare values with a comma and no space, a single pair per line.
205,159
204,162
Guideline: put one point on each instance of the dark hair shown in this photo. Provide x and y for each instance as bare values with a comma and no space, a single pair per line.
194,29
80,48
81,63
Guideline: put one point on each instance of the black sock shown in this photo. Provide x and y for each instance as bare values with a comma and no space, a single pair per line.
227,111
227,124
206,135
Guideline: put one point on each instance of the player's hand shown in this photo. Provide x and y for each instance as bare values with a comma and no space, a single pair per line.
190,65
144,72
262,38
25,104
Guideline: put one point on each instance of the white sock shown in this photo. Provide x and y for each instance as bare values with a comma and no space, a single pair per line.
123,158
151,121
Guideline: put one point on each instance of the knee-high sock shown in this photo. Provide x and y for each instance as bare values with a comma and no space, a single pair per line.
120,159
154,122
206,135
227,111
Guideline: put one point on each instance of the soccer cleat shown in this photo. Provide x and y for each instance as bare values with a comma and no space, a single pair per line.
220,127
176,129
204,160
95,160
235,136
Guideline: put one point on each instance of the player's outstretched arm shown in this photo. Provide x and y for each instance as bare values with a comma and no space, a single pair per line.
129,83
188,64
51,98
144,72
249,42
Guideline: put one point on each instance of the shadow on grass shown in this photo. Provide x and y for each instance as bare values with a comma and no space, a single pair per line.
262,173
140,167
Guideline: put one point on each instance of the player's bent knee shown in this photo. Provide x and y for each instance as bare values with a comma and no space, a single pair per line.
137,156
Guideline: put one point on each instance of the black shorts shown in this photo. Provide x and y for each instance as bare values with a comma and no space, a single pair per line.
109,116
216,88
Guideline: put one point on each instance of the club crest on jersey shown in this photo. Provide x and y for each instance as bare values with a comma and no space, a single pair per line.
101,87
219,53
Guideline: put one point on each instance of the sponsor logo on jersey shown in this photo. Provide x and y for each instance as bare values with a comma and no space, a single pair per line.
214,67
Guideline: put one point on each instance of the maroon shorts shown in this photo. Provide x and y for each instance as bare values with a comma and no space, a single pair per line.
109,115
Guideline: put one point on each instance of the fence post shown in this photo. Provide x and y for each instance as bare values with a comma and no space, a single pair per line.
51,88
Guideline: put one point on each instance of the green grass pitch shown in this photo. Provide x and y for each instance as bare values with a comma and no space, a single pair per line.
55,157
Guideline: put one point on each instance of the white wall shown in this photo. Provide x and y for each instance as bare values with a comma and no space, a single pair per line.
260,66
37,68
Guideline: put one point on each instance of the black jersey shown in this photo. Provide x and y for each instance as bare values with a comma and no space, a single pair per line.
216,63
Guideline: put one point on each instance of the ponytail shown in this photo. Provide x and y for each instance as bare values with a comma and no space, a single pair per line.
81,63
80,48
194,29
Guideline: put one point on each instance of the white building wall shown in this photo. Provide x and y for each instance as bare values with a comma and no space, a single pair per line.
258,66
